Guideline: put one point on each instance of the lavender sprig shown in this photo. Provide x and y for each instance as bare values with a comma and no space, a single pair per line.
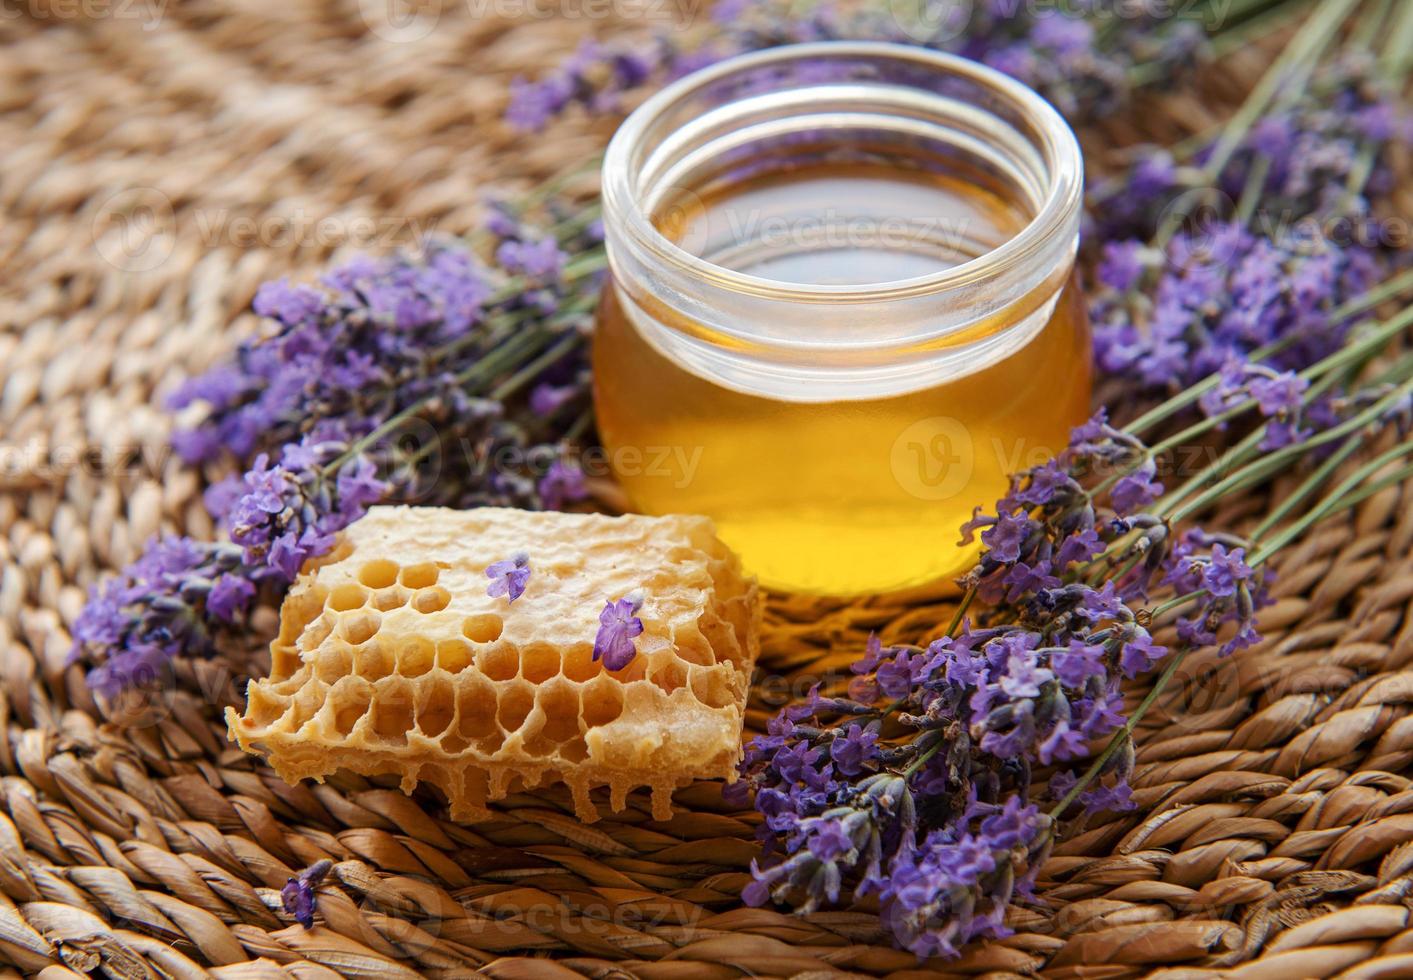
1085,70
1184,287
956,729
397,379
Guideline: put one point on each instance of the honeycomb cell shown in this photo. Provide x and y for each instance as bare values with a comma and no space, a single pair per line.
306,704
539,662
333,664
415,656
351,697
373,661
603,701
499,663
389,599
360,626
516,703
284,662
430,600
299,610
574,751
483,628
454,656
560,703
712,688
347,597
265,708
420,576
475,708
579,662
695,649
436,706
316,632
668,674
379,573
392,710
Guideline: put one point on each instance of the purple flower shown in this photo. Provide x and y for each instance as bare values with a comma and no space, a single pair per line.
852,752
1078,662
1005,538
230,596
1122,265
1012,824
1136,490
508,577
794,762
562,483
359,486
293,305
1118,797
1079,547
1023,677
618,625
897,675
1281,394
1101,715
1139,654
546,398
1045,482
1061,744
540,260
297,896
828,840
1225,571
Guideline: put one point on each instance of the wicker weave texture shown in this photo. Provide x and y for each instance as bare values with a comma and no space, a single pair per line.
153,171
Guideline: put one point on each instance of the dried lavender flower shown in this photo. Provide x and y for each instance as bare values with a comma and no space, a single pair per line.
618,626
297,895
509,577
366,387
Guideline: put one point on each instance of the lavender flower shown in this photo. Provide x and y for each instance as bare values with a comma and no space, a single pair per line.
1085,73
618,625
297,895
289,513
936,821
563,483
508,577
1222,293
179,596
365,388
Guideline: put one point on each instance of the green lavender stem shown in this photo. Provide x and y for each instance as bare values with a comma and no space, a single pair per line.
1282,81
1357,349
1277,461
1351,491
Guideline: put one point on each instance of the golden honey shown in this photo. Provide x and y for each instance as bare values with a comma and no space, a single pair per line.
847,361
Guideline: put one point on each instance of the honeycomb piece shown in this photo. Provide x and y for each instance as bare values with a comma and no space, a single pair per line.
391,658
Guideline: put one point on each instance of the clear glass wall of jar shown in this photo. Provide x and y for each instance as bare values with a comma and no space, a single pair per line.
842,306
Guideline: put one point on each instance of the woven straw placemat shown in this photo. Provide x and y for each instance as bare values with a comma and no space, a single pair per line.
154,169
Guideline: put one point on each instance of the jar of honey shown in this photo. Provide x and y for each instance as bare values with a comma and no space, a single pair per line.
842,306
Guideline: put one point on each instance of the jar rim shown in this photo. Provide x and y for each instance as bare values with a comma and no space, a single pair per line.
1056,211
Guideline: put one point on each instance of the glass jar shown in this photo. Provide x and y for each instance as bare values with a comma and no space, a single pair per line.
841,307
